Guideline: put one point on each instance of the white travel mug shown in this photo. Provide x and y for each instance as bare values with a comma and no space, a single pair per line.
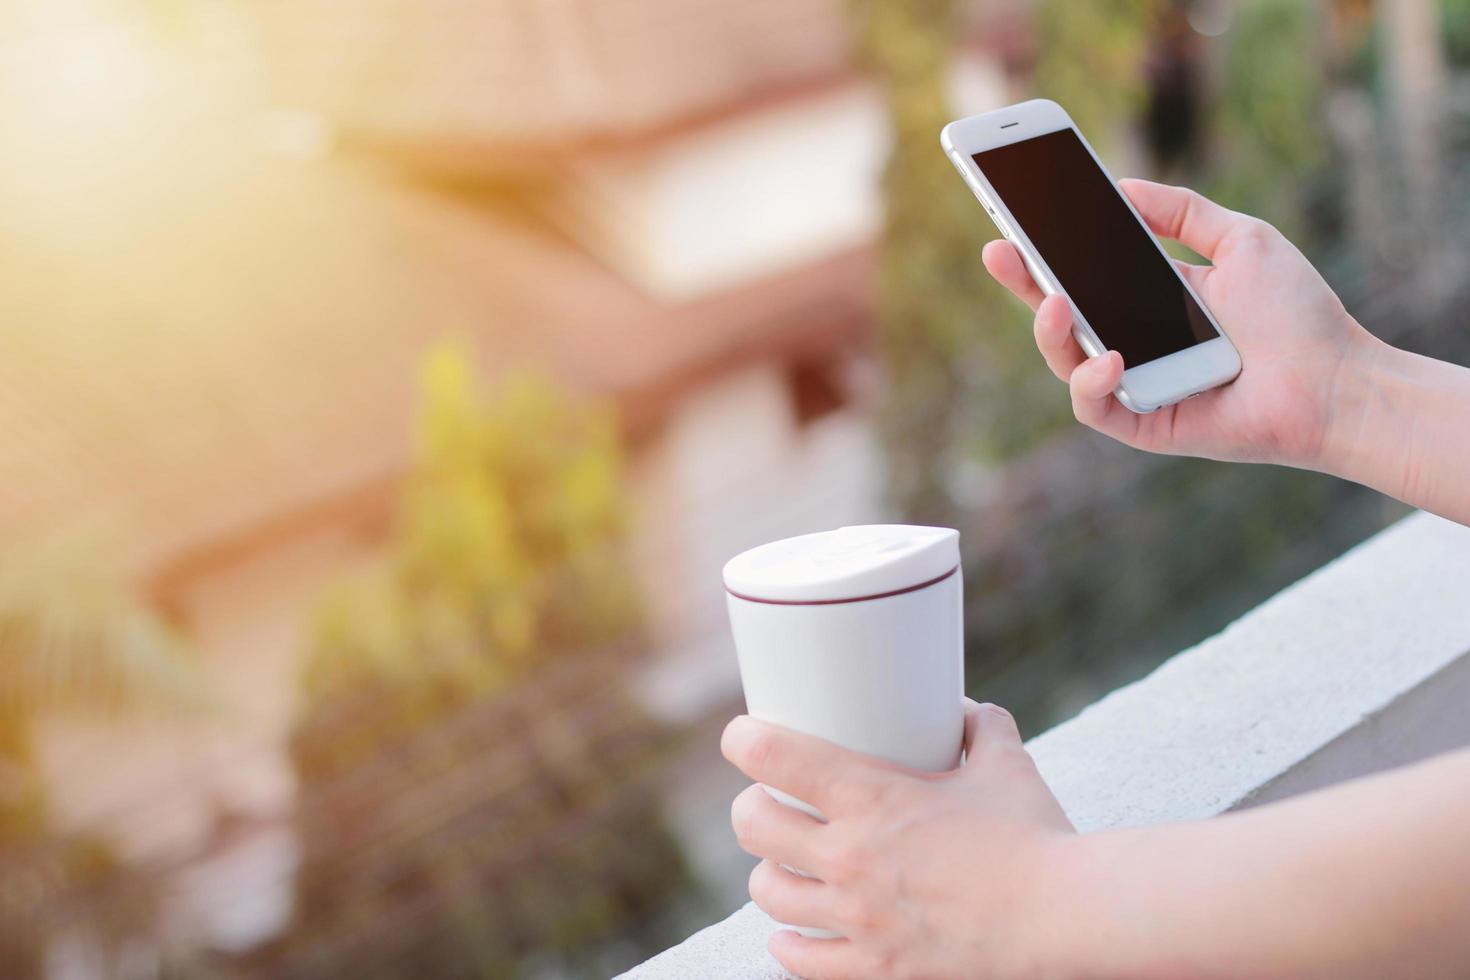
855,636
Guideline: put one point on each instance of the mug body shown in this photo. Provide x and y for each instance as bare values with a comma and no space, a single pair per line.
883,676
855,636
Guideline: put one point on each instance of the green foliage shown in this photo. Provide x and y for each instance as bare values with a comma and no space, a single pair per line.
72,635
1268,119
951,341
1089,59
467,750
1455,23
962,373
1091,576
509,545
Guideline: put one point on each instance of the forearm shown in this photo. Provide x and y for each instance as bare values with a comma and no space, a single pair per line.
1402,426
1370,879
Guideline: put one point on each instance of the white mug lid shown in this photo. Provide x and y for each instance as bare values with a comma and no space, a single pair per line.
859,562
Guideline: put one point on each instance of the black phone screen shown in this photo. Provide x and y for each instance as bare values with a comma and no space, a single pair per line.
1106,262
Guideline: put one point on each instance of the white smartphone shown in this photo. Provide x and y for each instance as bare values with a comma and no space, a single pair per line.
1050,195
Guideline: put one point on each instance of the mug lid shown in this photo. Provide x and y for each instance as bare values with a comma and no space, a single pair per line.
861,562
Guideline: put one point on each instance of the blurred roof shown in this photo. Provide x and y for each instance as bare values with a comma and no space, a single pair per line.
541,71
241,346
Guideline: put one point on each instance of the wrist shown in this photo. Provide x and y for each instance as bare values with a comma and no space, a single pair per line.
1362,439
1100,920
1071,928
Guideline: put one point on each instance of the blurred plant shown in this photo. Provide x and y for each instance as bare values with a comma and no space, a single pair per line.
1269,146
509,547
953,346
1456,26
1089,59
72,636
1266,146
468,757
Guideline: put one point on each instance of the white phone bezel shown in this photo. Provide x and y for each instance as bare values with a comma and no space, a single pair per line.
1144,387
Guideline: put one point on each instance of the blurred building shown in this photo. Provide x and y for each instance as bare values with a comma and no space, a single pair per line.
670,204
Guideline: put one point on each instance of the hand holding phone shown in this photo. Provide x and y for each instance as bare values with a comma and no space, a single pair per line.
1048,192
1295,337
1129,328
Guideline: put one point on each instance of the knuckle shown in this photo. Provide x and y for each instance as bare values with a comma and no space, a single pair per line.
885,961
794,960
831,856
848,857
760,884
742,815
855,913
892,794
761,751
864,792
997,711
872,795
1257,230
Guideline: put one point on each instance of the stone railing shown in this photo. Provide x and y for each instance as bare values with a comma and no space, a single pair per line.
1362,665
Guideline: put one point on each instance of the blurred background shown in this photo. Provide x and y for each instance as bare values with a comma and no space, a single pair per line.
384,383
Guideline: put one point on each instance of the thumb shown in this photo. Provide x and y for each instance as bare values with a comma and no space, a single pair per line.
988,726
1181,214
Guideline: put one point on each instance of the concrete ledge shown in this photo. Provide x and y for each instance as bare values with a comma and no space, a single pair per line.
1363,665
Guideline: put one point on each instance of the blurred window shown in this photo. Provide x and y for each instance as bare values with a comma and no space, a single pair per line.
817,389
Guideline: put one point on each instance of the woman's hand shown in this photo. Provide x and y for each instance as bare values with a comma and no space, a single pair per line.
923,874
977,872
1298,344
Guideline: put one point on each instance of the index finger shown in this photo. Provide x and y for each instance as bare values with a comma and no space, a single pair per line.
1009,269
812,769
